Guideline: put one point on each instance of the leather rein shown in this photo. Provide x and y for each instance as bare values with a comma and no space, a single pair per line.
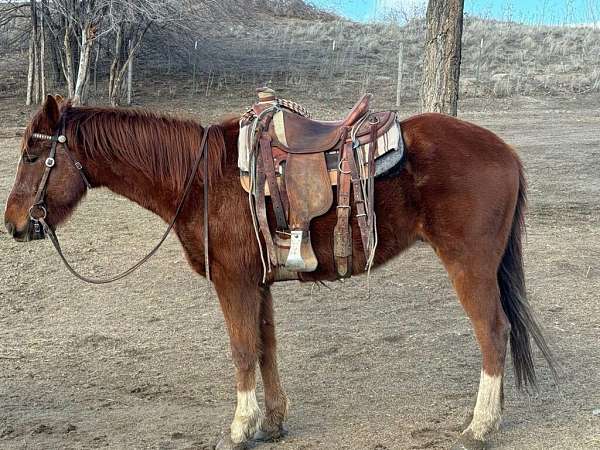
39,210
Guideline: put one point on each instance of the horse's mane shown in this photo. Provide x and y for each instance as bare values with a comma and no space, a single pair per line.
158,146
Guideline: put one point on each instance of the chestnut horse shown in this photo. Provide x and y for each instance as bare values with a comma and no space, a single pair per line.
461,190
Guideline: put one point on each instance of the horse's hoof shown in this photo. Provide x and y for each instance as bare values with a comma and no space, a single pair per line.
271,435
468,442
227,444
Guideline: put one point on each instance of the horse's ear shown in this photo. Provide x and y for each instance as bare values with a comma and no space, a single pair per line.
51,112
59,98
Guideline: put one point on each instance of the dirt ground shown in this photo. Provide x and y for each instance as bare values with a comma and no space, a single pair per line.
144,363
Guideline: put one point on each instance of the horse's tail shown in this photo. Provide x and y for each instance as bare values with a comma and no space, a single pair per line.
511,280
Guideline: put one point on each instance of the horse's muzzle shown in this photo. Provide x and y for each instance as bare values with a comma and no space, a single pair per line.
32,232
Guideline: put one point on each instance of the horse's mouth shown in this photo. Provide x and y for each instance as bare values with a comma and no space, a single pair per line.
32,232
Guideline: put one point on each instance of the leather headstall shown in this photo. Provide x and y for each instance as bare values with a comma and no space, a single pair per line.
39,210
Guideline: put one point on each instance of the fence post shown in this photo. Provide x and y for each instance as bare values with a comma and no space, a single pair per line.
130,77
400,71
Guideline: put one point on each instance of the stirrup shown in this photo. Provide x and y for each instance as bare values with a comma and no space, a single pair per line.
301,257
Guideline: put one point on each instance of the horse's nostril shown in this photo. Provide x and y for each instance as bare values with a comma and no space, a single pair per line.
10,228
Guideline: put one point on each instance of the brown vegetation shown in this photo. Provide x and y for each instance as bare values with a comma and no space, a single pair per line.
296,46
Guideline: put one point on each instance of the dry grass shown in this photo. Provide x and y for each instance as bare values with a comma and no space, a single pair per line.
499,59
294,46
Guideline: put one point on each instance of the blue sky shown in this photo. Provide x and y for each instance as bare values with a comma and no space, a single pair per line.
552,12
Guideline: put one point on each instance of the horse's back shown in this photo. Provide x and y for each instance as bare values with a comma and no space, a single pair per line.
449,140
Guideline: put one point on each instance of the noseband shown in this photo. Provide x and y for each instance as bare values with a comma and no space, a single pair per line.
39,210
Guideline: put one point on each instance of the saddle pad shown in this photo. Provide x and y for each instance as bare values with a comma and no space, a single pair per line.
245,145
390,141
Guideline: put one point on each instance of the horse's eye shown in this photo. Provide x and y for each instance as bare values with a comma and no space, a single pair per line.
29,159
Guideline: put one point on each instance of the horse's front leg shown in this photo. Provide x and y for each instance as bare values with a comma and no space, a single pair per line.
276,402
241,305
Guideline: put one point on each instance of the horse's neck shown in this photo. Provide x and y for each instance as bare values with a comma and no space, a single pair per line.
159,195
155,195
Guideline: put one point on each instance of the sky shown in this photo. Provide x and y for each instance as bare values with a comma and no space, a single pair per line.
550,12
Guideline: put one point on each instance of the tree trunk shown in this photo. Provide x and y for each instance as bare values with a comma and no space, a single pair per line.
122,58
113,82
96,58
36,53
130,78
32,57
52,45
57,74
87,42
42,56
68,62
441,63
30,76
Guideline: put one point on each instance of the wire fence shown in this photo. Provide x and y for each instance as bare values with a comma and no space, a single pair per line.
309,50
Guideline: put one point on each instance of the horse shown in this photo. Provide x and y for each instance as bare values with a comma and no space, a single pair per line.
461,190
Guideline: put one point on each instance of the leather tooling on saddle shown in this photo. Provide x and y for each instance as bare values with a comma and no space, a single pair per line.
299,163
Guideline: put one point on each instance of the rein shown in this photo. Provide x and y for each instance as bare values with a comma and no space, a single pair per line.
40,206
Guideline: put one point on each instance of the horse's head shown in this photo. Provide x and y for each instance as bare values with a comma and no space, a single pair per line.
48,184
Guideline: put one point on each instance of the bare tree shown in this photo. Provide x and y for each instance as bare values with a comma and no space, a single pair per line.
77,26
130,21
32,82
76,23
90,19
68,35
42,55
127,41
441,63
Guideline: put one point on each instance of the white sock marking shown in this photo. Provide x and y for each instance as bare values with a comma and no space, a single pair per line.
247,417
488,409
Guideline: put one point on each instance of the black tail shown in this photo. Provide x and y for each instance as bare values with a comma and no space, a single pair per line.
511,281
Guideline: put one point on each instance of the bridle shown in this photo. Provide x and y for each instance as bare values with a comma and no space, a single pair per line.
39,210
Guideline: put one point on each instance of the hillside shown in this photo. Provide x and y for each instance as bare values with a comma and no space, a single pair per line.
301,49
499,59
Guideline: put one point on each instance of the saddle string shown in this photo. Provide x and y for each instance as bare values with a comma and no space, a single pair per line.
253,214
367,185
374,230
189,183
251,203
266,262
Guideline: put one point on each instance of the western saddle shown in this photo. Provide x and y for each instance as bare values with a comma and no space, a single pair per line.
296,161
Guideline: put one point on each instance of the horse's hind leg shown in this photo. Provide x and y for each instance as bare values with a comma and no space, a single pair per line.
275,399
241,306
476,284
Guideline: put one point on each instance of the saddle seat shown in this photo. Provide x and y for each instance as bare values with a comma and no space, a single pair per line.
299,134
